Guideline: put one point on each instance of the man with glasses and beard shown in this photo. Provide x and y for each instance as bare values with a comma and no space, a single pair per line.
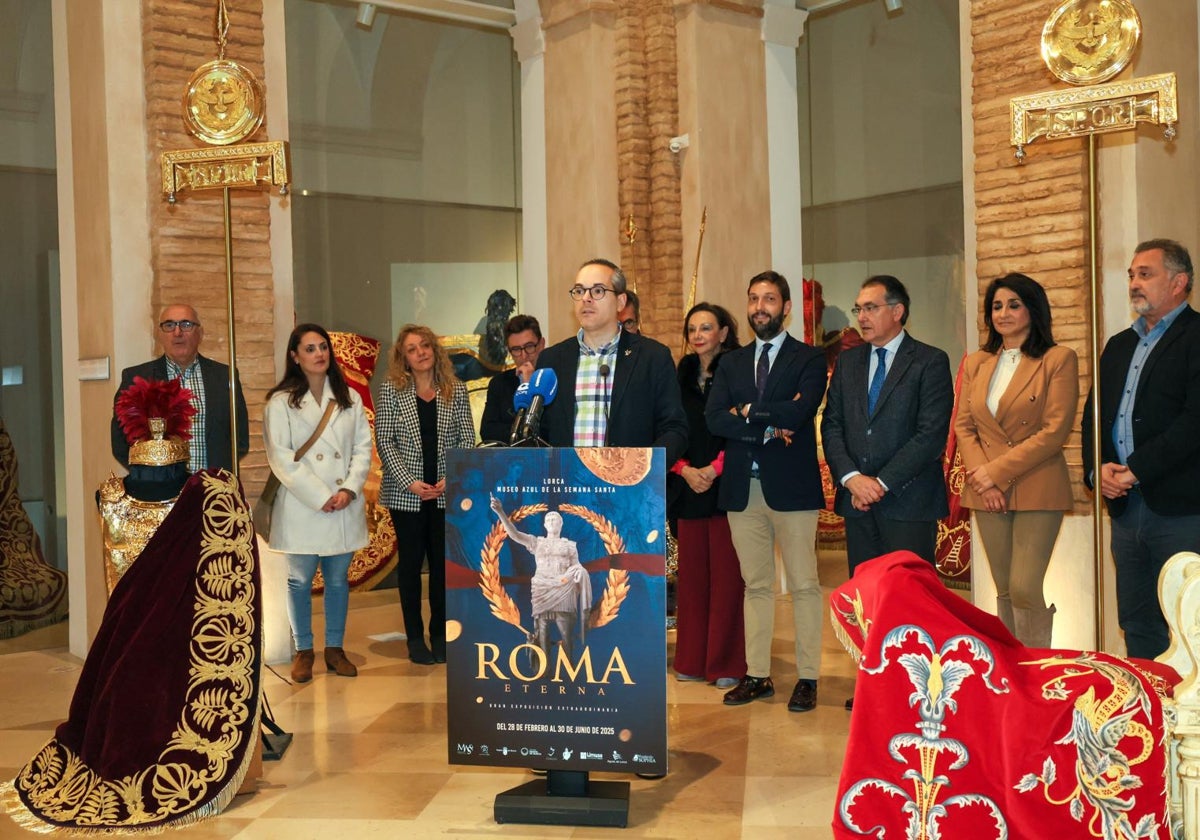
763,400
615,388
1149,472
523,336
179,334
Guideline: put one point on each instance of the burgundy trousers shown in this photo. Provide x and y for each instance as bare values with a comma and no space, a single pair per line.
710,637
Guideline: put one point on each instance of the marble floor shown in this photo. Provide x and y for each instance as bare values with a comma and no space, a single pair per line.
369,754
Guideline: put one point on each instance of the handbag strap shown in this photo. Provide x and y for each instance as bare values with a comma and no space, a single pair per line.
316,434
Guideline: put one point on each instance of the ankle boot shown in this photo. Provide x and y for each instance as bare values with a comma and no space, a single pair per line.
1035,627
302,666
336,662
1004,612
419,653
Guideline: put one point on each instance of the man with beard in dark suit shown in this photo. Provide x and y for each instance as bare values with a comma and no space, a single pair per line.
179,333
763,400
1150,438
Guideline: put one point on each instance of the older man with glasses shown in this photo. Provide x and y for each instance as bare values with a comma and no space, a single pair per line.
523,337
179,334
615,388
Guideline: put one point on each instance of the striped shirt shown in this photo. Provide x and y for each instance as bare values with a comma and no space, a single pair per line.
194,382
593,391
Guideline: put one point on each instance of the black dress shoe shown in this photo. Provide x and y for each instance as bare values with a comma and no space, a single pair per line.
439,650
419,653
750,688
804,696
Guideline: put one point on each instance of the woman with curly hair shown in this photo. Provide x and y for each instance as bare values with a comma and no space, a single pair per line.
421,412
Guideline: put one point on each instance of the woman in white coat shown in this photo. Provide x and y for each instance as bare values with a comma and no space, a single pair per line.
318,518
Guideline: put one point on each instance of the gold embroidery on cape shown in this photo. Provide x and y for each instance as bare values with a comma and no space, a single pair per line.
1104,780
127,525
501,603
219,702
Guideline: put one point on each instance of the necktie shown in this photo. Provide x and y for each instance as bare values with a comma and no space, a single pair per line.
764,367
877,380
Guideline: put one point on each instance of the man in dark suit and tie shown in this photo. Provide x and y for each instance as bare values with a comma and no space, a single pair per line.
763,400
1150,438
179,333
884,430
615,388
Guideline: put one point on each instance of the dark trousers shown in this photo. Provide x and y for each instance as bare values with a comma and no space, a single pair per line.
710,639
1142,542
421,536
871,535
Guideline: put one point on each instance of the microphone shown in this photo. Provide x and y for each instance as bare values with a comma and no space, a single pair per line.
604,372
521,400
544,387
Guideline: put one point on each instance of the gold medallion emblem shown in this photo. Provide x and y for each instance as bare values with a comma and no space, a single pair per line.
223,103
1087,41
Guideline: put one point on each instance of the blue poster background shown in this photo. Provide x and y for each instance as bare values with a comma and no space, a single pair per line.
501,711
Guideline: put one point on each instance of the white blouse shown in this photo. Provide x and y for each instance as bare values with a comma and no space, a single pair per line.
1006,366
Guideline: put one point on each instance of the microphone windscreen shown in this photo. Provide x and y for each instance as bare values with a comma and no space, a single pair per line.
604,371
544,384
523,397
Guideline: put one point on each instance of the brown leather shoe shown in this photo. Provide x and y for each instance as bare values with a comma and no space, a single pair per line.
804,696
302,666
336,661
750,688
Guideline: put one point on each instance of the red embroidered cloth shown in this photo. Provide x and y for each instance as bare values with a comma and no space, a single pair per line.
959,731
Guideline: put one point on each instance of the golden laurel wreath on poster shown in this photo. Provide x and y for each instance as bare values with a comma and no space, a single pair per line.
1087,41
616,587
223,103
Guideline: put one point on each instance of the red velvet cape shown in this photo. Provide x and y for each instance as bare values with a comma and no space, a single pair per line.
959,731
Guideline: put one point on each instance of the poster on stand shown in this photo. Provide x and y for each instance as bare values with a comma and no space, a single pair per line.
556,608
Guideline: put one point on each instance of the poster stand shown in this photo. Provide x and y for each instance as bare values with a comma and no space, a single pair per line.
565,797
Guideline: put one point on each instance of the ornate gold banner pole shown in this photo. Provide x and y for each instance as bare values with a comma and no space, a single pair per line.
223,105
1091,41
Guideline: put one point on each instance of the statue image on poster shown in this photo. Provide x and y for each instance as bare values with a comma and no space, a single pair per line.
556,608
561,589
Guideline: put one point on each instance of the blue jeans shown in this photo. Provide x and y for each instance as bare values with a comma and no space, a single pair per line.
1142,543
335,569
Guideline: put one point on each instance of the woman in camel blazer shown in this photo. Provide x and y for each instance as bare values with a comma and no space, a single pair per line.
1019,397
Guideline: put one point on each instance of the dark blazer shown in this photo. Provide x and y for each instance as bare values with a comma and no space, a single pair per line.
1166,417
903,441
645,408
703,446
498,414
791,479
215,377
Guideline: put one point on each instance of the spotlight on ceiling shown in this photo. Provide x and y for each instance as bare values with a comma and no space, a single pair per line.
893,5
366,15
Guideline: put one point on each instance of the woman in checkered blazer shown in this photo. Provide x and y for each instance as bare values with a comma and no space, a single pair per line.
421,412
